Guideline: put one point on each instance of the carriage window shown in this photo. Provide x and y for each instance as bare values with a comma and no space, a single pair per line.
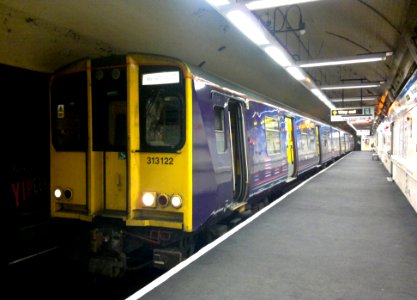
69,112
219,129
303,143
273,143
325,139
161,107
312,139
335,141
307,137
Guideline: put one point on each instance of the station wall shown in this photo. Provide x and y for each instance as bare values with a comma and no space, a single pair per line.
24,187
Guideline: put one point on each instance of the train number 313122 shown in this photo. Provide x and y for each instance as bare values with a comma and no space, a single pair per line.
155,160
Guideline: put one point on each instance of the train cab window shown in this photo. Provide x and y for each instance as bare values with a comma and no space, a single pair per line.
272,132
69,112
162,109
219,129
163,121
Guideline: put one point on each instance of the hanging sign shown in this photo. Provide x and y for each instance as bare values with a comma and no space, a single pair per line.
352,114
363,132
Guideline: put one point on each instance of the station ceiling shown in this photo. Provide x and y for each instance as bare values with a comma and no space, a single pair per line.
45,35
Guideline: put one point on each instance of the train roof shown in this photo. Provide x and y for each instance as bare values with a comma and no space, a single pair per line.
248,94
236,89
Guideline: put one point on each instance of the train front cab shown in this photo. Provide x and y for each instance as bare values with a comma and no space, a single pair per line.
121,142
131,138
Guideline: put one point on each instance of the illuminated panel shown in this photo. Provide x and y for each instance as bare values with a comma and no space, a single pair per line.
161,78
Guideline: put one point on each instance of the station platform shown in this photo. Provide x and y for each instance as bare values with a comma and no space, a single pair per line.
346,233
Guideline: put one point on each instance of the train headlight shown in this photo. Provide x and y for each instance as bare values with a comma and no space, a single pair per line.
58,193
68,194
162,200
176,201
149,199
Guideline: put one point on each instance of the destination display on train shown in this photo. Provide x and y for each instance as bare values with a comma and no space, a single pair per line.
352,113
161,78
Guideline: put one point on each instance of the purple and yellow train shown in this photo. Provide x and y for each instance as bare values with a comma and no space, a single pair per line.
153,152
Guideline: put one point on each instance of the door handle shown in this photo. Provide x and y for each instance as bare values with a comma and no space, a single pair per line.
119,180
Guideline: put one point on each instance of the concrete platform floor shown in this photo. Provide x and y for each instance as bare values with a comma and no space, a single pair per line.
348,233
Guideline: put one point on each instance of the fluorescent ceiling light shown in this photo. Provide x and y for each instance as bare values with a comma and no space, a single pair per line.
278,55
322,98
351,125
343,61
350,86
353,99
218,2
263,4
317,92
296,73
248,25
242,18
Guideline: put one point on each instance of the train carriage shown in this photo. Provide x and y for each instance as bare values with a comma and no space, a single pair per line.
268,134
153,152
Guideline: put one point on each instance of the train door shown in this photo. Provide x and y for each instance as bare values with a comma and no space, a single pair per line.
335,143
115,159
290,146
391,150
238,149
319,150
109,105
69,151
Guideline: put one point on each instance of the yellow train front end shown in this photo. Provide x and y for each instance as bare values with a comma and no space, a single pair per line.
121,153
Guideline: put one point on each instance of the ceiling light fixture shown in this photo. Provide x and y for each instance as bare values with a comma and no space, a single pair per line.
296,72
350,86
244,20
344,60
351,125
322,97
248,25
263,4
279,56
218,2
353,99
